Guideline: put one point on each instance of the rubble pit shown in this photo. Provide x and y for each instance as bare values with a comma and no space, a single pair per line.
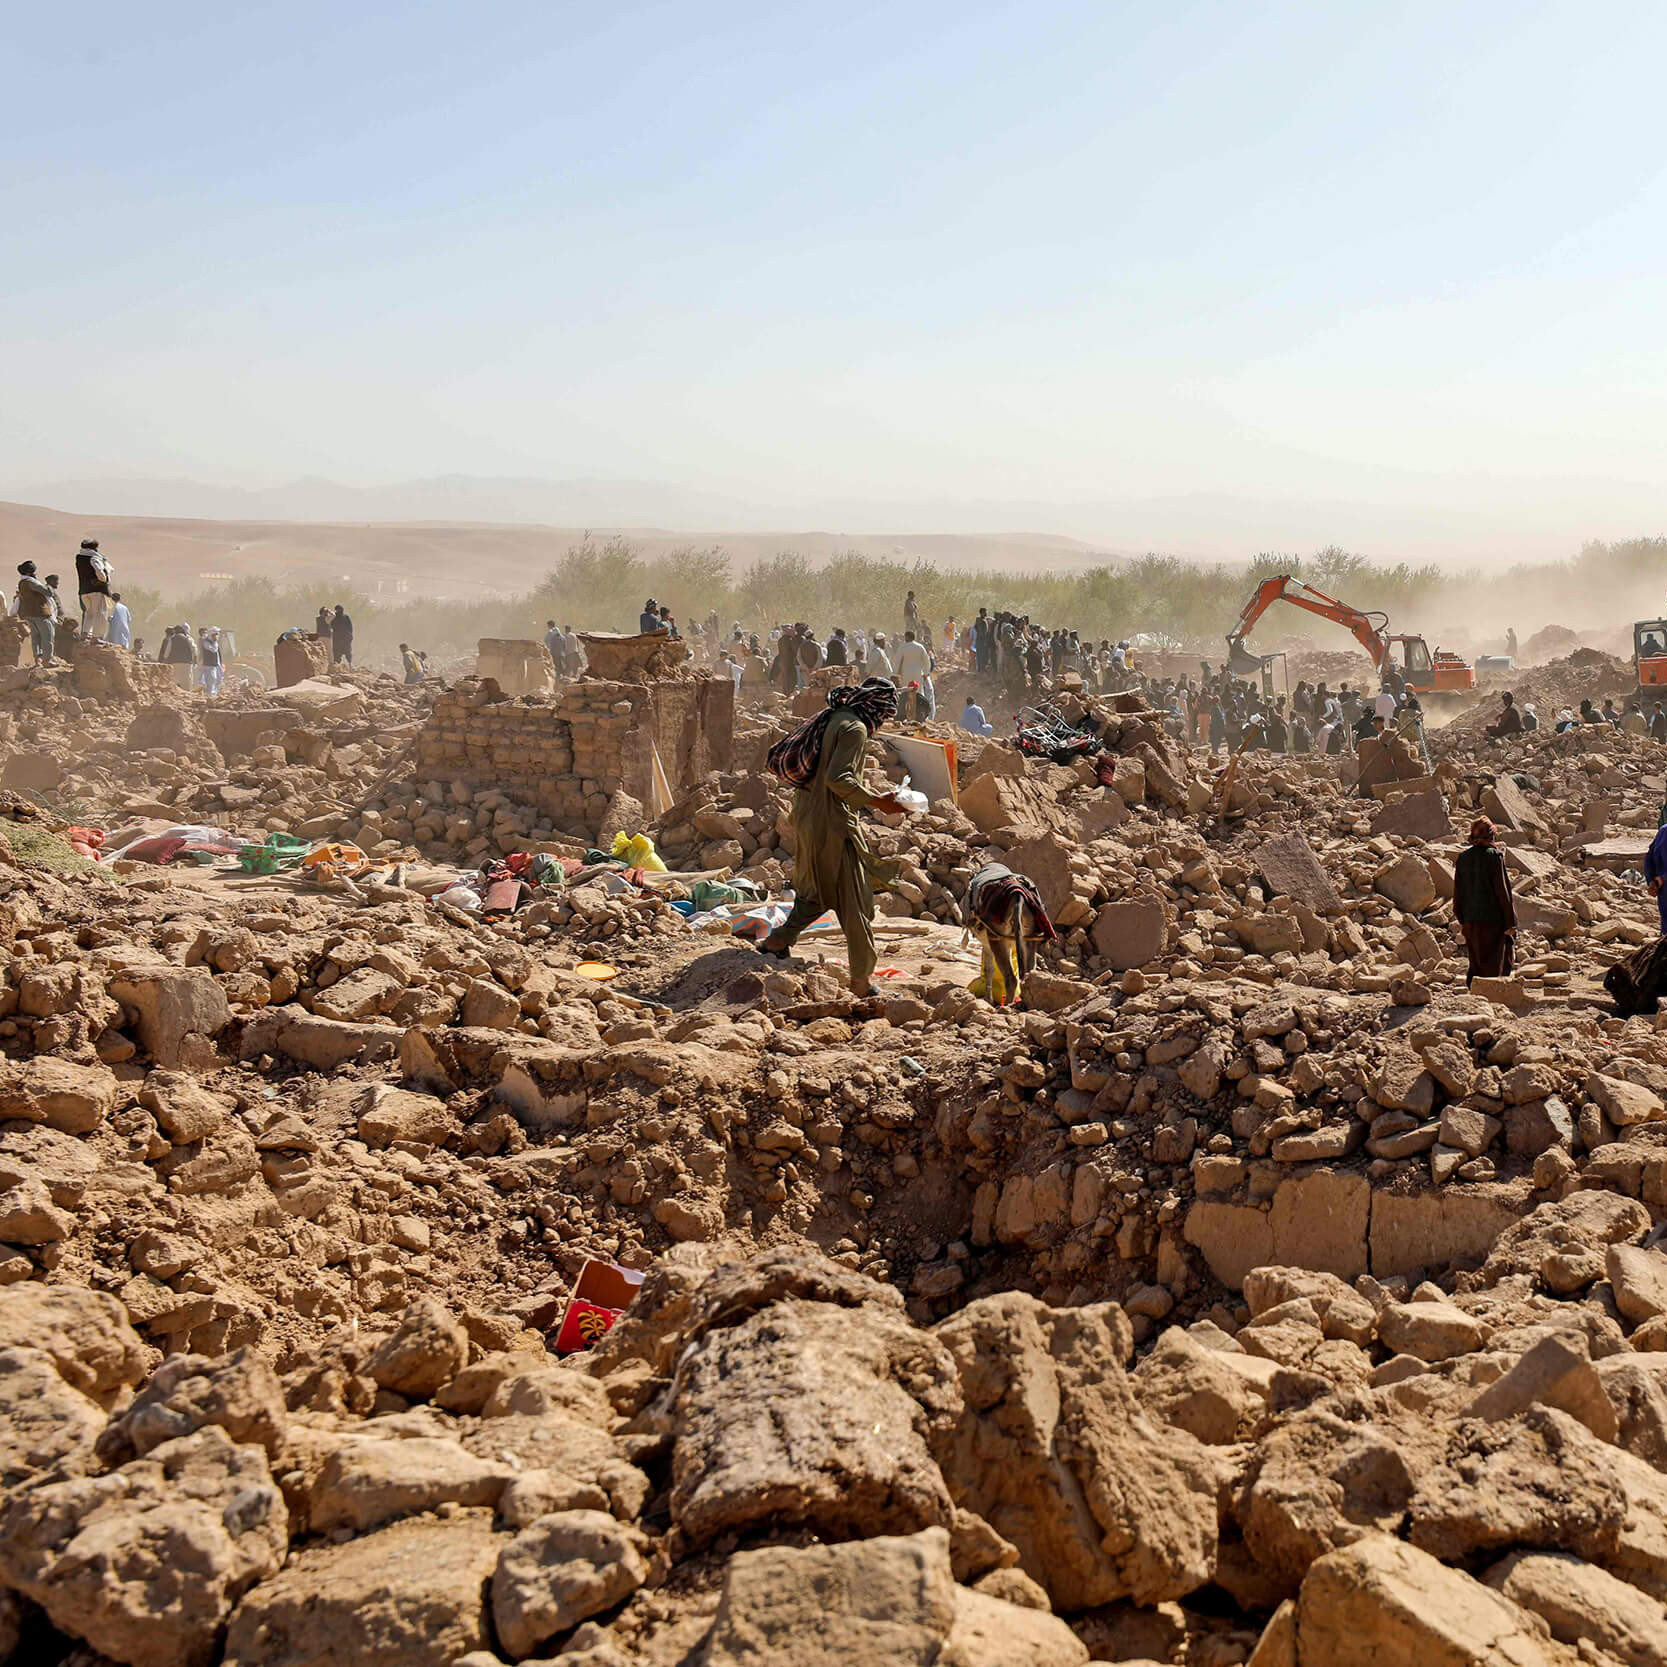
1256,1293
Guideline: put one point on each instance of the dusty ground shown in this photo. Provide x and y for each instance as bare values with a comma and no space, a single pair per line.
1254,1292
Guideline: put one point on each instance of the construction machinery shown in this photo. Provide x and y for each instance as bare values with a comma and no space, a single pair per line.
1649,655
1425,674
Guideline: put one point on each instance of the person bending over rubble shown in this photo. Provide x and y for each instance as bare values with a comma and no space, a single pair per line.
832,865
1482,904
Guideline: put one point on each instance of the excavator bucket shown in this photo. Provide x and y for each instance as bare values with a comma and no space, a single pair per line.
1240,661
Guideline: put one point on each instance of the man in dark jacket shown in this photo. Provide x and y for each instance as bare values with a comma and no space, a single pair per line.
836,653
341,637
648,621
34,608
1510,720
1482,904
92,585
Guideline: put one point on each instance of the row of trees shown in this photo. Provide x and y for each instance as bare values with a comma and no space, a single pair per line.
601,585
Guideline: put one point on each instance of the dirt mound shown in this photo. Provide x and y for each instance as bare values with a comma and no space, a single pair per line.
1586,674
1549,643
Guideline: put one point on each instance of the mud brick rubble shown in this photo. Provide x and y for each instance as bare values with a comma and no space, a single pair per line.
1255,1294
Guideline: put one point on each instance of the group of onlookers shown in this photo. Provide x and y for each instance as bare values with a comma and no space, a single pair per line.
337,628
37,602
1520,719
567,653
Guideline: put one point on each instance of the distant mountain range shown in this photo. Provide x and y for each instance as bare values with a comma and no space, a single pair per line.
448,498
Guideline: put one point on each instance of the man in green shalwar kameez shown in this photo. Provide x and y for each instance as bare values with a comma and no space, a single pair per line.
833,867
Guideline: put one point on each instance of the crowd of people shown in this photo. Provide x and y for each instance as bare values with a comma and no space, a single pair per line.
1014,658
198,659
102,615
1520,719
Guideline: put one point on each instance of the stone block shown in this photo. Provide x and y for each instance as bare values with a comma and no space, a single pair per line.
1320,1222
1407,884
1130,934
1508,806
1437,1229
180,1010
1414,816
1233,1238
1289,868
1556,1372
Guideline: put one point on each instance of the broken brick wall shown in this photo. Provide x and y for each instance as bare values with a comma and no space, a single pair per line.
569,752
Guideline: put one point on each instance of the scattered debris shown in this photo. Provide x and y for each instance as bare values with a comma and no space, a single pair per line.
1335,1282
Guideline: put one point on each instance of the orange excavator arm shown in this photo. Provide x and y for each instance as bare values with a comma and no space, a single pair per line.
1369,628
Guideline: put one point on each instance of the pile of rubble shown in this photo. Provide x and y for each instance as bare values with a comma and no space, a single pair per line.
116,740
768,1460
1256,1293
1556,686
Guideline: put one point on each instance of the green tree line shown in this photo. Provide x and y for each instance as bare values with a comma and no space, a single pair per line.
600,585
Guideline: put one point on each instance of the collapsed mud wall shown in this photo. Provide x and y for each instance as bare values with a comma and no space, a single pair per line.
569,752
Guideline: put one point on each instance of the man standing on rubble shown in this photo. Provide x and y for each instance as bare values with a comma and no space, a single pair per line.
913,662
34,608
341,637
92,585
59,635
1482,904
556,643
832,865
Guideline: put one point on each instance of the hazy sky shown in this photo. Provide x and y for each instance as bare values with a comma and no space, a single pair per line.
1406,256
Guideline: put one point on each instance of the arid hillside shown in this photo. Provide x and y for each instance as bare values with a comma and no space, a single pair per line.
439,560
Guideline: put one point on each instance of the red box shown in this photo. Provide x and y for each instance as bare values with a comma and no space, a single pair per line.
603,1292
